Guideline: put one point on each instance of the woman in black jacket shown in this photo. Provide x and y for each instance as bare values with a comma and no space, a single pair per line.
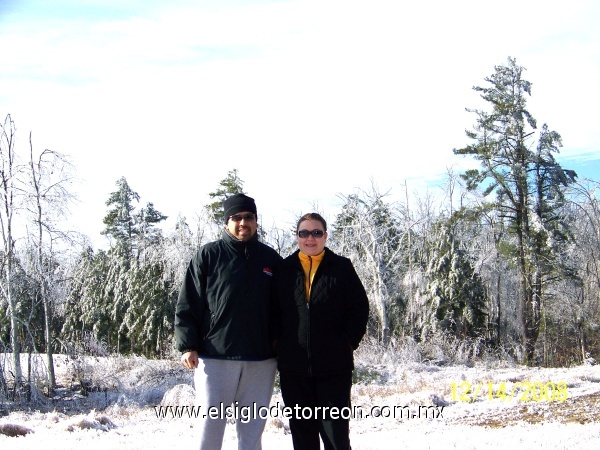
322,313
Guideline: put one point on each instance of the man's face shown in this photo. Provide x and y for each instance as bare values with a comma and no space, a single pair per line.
242,225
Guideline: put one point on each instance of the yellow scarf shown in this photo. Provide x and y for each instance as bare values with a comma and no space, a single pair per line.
310,265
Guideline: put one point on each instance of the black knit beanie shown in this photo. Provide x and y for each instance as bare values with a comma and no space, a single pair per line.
238,203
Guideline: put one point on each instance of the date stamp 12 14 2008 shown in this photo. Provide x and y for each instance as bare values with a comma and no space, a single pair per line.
522,391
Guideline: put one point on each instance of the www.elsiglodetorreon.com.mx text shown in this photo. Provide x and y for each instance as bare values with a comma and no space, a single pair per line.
250,412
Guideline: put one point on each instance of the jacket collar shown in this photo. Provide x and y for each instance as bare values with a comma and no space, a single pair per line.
238,244
295,259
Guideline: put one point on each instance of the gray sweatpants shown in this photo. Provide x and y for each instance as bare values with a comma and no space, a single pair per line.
247,385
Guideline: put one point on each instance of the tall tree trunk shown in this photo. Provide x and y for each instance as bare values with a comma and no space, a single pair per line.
8,170
581,331
3,386
14,321
380,302
35,180
48,339
498,306
530,309
14,337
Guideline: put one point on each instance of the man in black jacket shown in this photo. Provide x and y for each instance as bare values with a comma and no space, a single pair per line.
222,324
322,313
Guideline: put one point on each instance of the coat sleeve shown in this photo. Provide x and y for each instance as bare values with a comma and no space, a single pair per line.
356,308
274,306
274,319
190,307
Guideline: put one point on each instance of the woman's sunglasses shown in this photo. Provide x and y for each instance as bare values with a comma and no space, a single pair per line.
314,233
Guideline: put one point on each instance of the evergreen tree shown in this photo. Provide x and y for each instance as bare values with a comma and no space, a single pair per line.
230,185
117,290
457,293
526,182
87,308
146,220
120,219
148,319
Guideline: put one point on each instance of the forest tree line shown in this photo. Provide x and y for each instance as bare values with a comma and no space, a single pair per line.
507,255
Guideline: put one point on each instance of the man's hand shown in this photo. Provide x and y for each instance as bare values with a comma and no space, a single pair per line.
190,359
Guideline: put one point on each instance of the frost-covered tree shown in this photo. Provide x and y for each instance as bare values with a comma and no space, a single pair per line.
577,308
34,193
9,199
48,196
456,292
516,163
367,231
481,231
231,184
115,295
120,219
148,321
146,221
87,308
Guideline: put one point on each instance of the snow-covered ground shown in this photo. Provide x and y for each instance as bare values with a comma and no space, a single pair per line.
508,406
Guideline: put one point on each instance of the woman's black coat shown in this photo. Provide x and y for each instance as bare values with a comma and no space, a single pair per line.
318,337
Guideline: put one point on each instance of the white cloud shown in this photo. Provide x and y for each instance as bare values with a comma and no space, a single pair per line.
306,98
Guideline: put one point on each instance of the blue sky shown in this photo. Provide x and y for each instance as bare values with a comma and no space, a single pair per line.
307,99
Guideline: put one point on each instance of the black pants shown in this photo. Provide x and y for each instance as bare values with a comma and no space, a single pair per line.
315,396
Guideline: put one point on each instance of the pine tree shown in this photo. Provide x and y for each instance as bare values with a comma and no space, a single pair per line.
131,275
120,220
526,183
457,293
230,185
87,308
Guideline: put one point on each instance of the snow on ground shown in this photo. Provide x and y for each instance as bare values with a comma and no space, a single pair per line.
527,408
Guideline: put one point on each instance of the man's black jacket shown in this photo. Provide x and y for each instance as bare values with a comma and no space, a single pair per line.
225,302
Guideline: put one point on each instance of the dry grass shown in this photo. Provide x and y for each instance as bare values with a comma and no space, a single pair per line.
14,430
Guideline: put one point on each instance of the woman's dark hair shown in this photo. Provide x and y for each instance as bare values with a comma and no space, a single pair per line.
312,216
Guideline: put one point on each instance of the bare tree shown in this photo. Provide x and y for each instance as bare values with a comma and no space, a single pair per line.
280,239
584,305
9,194
367,231
49,195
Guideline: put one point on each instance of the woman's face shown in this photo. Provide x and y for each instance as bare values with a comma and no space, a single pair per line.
311,245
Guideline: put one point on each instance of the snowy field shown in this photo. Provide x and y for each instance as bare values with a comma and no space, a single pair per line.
507,406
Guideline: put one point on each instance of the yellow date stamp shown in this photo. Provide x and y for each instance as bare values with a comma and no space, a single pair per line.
522,391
